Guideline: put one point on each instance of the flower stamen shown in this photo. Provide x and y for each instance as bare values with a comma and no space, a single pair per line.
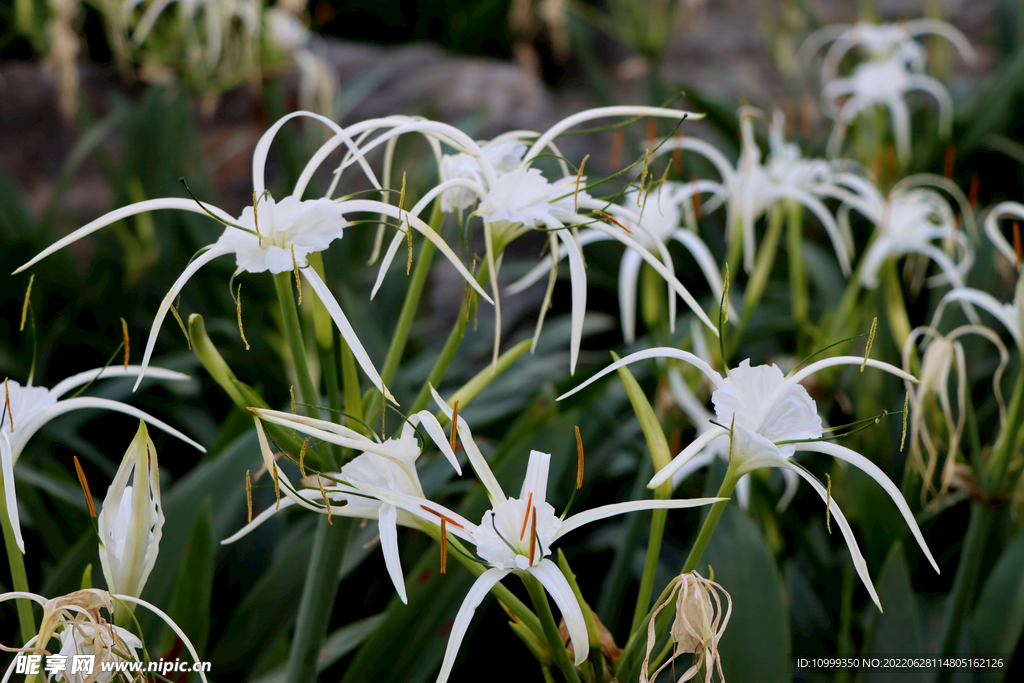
534,541
579,459
85,486
124,331
443,517
695,197
871,339
295,269
972,193
529,503
1016,244
652,132
906,412
608,218
454,438
677,153
828,503
238,308
255,220
24,307
576,194
7,403
949,161
327,501
302,458
444,546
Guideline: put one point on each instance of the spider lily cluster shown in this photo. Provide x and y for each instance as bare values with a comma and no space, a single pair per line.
750,414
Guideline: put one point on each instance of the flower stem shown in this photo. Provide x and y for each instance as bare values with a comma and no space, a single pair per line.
711,521
451,346
983,518
318,596
547,621
1005,447
324,327
759,277
293,332
18,576
895,304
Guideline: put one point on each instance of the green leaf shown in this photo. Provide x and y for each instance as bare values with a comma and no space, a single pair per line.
998,620
897,630
337,645
191,606
756,645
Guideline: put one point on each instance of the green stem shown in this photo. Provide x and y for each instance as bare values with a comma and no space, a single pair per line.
593,634
451,346
895,305
412,299
983,519
293,332
350,381
608,602
643,599
547,620
711,521
324,327
1002,453
797,267
18,576
844,645
759,277
318,596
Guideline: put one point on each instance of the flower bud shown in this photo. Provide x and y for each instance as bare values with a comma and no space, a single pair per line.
132,519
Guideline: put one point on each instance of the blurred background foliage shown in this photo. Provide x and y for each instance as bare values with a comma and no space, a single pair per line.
792,583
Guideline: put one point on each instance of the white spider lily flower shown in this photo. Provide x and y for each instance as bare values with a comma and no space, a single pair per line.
276,237
752,187
390,465
501,539
882,42
700,417
132,518
503,156
771,417
83,630
941,354
909,221
652,228
886,82
27,408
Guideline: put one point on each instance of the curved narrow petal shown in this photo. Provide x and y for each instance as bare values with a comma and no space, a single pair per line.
259,155
260,519
901,128
556,584
385,264
941,95
436,433
657,352
170,623
215,251
112,372
602,112
347,332
695,411
873,471
706,150
1008,318
605,511
14,662
697,462
743,491
792,481
702,255
995,235
663,475
481,587
322,429
282,483
388,527
60,407
541,269
371,206
800,375
858,559
536,480
476,458
545,303
578,279
120,214
629,276
827,221
938,27
418,509
667,275
10,497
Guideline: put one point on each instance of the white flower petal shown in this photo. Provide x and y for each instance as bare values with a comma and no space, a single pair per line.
476,458
436,433
629,277
578,278
556,584
388,526
657,352
10,497
873,471
480,588
574,522
809,370
698,444
536,480
210,254
112,372
347,332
